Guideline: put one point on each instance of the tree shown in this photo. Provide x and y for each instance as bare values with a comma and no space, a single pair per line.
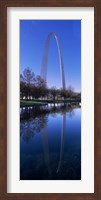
53,92
70,91
28,77
23,90
40,85
64,93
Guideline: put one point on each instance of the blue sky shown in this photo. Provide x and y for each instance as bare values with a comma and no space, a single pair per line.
33,34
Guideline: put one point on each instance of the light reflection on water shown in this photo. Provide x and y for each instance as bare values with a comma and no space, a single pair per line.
50,142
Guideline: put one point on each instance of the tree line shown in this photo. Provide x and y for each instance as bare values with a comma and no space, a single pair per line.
34,87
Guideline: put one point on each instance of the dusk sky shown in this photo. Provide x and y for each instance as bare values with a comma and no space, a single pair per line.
33,34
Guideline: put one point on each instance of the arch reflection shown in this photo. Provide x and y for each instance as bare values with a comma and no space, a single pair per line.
44,136
35,120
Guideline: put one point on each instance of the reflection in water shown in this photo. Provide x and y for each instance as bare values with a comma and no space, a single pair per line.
58,157
45,144
62,140
44,136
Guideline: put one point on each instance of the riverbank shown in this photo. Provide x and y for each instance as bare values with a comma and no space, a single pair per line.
32,103
45,102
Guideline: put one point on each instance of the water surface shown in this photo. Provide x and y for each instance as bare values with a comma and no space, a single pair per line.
50,142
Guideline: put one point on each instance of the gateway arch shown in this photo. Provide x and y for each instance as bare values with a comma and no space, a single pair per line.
45,59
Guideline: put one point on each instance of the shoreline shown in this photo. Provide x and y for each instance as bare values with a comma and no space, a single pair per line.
24,103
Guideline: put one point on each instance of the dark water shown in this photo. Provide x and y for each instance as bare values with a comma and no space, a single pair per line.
50,142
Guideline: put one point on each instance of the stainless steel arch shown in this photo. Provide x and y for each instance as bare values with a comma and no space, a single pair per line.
45,59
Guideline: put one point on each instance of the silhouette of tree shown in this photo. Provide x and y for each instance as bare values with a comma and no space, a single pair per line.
40,84
64,93
23,90
70,91
53,92
35,87
28,77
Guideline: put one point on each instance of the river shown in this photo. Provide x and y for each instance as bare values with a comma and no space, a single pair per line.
50,142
